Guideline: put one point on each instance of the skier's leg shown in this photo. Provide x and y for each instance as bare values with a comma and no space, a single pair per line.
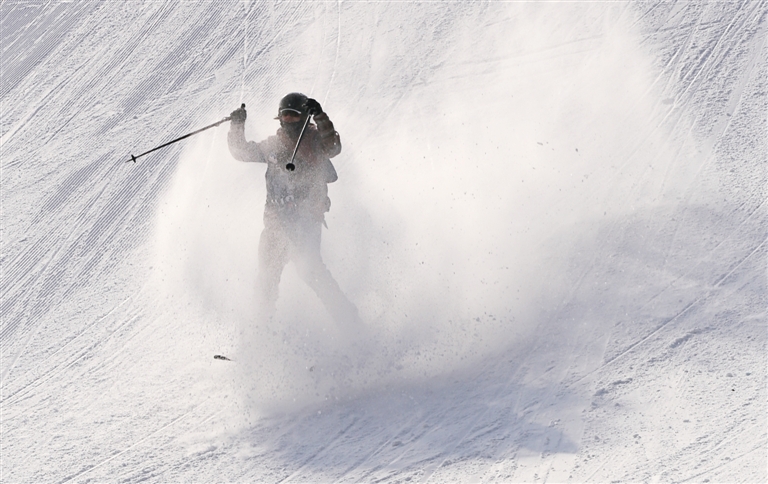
273,255
313,271
319,278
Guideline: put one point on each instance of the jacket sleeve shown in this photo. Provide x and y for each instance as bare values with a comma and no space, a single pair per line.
329,138
241,149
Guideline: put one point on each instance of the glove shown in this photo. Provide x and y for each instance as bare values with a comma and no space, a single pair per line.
238,115
313,107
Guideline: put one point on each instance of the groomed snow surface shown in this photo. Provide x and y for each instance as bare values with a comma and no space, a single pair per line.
551,216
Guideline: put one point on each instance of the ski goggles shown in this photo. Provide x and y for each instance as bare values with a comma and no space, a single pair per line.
291,112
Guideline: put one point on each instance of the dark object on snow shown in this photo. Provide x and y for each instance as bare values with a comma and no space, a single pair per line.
228,118
221,357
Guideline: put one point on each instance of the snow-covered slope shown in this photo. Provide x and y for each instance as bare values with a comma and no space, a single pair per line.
551,216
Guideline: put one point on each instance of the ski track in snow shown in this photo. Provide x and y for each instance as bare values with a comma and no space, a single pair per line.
648,365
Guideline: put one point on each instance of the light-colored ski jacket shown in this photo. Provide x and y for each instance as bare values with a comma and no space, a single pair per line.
304,191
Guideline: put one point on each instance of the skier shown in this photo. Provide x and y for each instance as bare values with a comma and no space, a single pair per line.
297,200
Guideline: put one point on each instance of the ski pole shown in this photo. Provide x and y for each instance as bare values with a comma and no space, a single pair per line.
228,118
290,166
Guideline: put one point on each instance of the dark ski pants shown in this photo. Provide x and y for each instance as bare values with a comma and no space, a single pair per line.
298,241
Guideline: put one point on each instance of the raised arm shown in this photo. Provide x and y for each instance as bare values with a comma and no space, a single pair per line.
241,149
329,137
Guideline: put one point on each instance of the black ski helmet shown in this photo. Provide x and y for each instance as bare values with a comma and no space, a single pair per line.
294,101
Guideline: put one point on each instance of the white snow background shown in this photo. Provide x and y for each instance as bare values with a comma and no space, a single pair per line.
550,214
